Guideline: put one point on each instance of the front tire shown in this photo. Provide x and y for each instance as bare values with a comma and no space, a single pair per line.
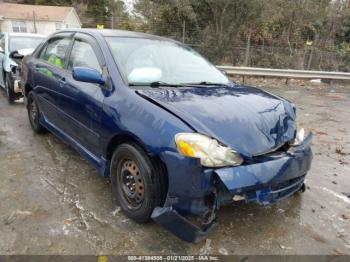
136,182
34,114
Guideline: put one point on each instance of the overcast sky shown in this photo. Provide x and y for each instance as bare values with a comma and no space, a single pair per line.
129,5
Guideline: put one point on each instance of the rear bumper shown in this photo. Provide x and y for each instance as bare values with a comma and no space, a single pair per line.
16,81
265,180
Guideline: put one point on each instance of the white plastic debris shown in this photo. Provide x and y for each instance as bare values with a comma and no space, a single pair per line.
280,210
238,198
223,251
284,247
316,81
206,249
116,211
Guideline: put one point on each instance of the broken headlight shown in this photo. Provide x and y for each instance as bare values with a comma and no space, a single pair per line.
208,150
299,138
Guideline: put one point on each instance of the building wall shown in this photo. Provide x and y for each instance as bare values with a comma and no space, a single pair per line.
72,20
43,27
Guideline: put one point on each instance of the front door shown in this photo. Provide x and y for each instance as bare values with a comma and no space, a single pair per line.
82,102
49,78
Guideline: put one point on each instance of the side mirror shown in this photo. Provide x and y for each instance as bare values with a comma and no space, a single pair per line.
84,74
16,55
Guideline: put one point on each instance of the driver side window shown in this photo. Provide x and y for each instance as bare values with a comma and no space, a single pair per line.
55,52
83,55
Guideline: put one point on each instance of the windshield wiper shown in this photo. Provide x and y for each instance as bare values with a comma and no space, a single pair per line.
204,83
158,84
155,84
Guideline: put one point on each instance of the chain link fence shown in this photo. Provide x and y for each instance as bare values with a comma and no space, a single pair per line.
283,58
234,53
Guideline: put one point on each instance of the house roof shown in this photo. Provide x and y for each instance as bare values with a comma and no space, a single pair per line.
42,12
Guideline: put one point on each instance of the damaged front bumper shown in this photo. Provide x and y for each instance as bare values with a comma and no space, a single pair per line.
264,180
17,88
180,226
15,77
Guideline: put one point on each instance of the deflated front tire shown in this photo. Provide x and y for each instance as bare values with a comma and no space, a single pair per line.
136,182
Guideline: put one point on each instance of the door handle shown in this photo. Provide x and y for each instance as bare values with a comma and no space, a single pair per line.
37,67
89,110
62,81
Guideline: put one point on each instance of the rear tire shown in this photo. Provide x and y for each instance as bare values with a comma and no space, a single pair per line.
136,182
34,114
10,93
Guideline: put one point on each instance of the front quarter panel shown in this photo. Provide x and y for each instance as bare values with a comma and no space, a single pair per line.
127,113
8,63
26,73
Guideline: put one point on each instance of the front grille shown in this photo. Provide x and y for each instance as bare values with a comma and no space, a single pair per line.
279,186
277,152
270,194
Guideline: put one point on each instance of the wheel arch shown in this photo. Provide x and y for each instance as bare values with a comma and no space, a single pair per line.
27,89
119,139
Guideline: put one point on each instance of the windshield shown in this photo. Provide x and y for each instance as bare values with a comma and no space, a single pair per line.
24,42
146,61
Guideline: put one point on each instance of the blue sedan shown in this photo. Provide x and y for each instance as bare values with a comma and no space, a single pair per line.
172,132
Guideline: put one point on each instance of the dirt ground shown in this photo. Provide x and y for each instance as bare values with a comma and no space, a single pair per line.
53,202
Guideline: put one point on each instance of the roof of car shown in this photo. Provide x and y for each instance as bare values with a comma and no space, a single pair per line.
117,33
27,34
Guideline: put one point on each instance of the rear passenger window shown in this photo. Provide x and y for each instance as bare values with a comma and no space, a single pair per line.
55,52
83,55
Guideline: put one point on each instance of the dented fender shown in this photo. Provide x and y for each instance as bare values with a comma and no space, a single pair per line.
271,178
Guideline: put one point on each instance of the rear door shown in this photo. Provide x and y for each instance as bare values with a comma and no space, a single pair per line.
82,102
49,78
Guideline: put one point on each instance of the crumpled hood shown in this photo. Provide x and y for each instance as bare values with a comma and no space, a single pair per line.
247,119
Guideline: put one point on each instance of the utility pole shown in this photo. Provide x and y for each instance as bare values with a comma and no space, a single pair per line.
247,50
113,7
183,31
112,20
34,22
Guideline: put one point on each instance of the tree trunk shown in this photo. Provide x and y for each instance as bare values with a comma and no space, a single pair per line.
288,38
183,31
112,20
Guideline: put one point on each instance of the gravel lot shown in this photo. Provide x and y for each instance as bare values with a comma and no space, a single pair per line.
53,202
